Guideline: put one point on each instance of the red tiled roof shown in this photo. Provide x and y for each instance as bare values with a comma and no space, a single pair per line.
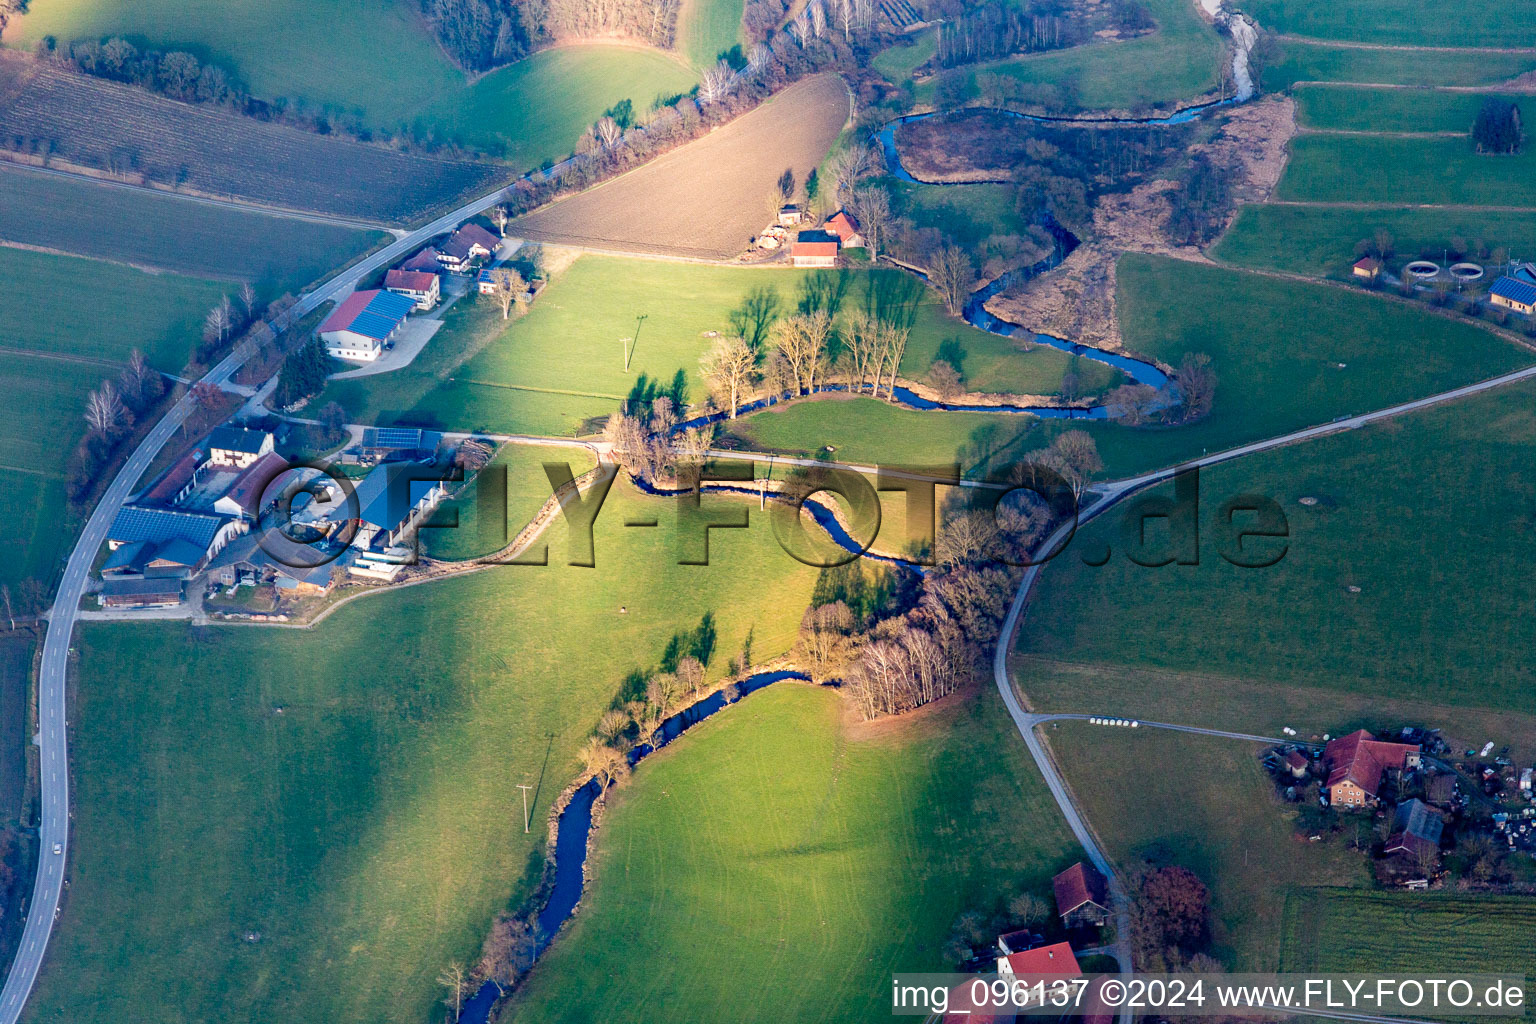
410,280
476,233
1368,263
248,489
174,480
842,225
813,249
1055,959
425,260
1360,759
1296,759
963,1008
1076,886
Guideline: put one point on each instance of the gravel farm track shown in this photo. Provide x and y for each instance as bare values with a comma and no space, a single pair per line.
93,123
705,199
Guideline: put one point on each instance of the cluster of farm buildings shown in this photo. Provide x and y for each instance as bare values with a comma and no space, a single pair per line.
812,247
368,322
1361,772
209,517
1515,290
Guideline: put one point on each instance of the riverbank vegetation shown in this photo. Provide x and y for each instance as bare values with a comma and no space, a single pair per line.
823,849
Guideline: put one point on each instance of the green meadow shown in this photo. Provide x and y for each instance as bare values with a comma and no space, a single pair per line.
275,254
1319,241
1286,355
1385,169
779,864
898,61
708,28
57,347
481,518
1177,62
1402,580
339,819
550,371
1301,61
1400,22
1344,108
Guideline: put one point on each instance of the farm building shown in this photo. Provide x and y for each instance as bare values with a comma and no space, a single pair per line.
1367,267
814,249
159,526
1297,764
364,324
392,501
1512,292
1357,763
845,228
1416,829
237,447
471,242
140,593
381,444
1082,898
425,261
176,558
421,286
1052,960
790,214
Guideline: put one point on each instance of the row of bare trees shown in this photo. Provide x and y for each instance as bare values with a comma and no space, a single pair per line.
863,353
110,413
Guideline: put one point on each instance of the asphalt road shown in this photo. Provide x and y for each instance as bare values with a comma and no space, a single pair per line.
52,738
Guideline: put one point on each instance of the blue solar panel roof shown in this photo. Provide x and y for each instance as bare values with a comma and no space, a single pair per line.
1516,290
384,312
158,525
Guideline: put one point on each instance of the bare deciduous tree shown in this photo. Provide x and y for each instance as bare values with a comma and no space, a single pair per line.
729,370
871,207
716,83
105,411
455,980
508,289
603,762
950,273
945,380
802,341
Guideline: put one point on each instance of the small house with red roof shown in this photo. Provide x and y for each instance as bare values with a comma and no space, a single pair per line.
418,285
364,325
1297,764
1042,961
1082,897
1358,762
845,228
425,261
1368,267
814,249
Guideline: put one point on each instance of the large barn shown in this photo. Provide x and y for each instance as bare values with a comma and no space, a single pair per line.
365,324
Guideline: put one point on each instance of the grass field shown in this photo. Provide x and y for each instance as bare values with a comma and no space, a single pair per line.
776,866
1205,804
1343,108
1361,169
1400,22
57,346
535,110
706,29
1403,933
565,361
1276,372
965,213
1320,241
897,62
527,489
276,254
1177,62
348,794
1418,513
1316,62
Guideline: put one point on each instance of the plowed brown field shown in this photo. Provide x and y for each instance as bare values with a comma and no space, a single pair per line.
707,198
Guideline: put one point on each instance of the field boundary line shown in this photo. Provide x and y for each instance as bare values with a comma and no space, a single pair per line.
1349,44
530,387
1307,83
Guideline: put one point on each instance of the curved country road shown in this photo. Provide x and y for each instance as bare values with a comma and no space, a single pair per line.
53,673
1110,495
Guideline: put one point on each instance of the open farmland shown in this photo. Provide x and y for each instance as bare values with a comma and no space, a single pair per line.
1302,61
1419,514
709,197
1440,170
476,534
549,371
708,28
370,831
844,856
1346,108
1481,23
99,124
115,222
1402,933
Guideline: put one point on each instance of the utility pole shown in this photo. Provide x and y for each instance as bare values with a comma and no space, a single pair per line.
525,788
624,346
